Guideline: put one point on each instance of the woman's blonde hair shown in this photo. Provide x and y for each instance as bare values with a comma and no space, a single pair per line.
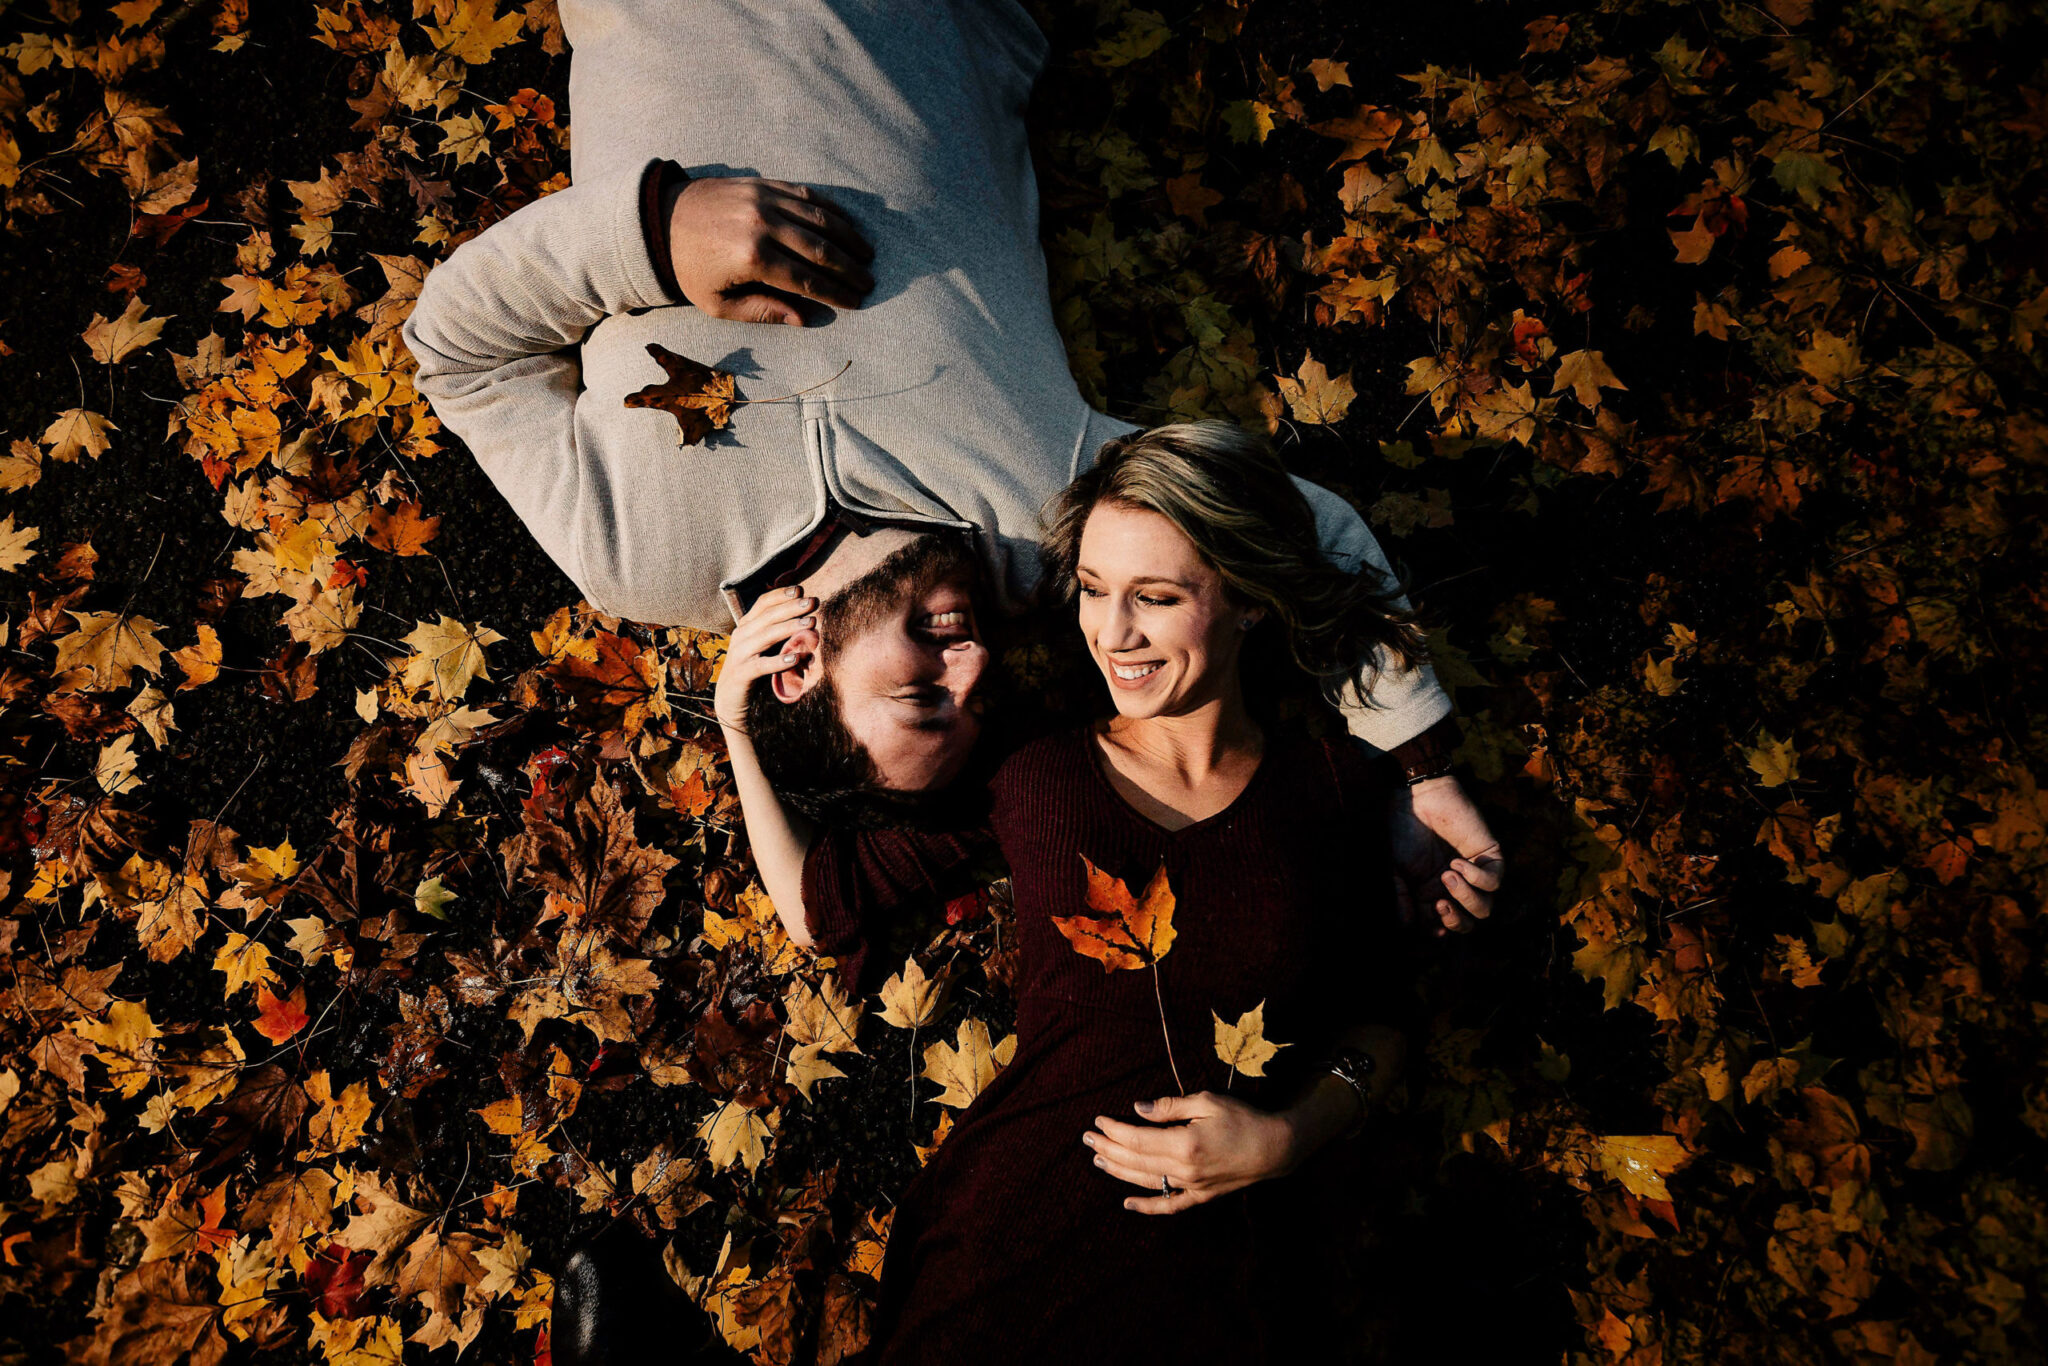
1228,493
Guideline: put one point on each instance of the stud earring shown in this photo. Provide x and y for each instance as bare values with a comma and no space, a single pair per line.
1247,623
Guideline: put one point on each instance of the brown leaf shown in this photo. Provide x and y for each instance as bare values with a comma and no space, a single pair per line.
591,857
698,397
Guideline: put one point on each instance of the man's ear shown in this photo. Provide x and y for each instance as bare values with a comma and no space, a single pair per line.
798,679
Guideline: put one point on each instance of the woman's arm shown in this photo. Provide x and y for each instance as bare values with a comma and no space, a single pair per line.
1213,1144
773,636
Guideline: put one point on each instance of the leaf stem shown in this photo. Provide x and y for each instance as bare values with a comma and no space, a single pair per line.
1164,1033
740,402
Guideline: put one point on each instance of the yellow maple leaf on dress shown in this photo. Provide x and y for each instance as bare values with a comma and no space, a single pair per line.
109,647
910,1000
1243,1047
1314,396
114,339
966,1070
733,1133
447,655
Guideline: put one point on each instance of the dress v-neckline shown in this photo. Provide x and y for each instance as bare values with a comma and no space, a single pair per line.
1098,765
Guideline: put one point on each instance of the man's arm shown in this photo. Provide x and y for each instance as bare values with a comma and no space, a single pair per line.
494,333
1448,861
1404,703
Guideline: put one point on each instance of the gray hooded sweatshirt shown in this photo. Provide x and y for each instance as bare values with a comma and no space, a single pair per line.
957,411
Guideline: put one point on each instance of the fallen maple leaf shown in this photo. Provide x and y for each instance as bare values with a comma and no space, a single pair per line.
77,432
698,397
383,1226
475,31
1243,1047
14,544
109,647
334,1277
822,1015
910,1000
246,962
447,656
966,1070
113,340
1314,396
1641,1162
734,1133
1585,373
808,1066
277,1020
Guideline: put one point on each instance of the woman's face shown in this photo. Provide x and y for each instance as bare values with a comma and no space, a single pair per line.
1155,614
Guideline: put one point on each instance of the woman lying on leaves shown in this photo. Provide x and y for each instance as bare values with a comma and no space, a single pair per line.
1187,886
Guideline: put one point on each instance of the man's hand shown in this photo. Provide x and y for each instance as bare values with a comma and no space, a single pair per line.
746,248
1444,856
774,635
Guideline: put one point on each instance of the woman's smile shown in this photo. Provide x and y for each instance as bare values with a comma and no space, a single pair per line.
1134,675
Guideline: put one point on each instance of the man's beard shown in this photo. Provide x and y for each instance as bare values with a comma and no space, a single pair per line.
907,574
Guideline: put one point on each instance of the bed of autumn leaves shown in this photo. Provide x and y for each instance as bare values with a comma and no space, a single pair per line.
373,918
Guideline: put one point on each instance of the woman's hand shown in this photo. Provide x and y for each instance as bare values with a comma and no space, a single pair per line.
1209,1145
746,248
776,633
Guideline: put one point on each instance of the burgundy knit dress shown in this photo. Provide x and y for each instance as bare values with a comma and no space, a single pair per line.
1011,1245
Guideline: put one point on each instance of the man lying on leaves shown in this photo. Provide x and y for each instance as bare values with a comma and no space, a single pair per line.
929,410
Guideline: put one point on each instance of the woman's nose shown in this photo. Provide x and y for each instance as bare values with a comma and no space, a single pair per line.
1120,629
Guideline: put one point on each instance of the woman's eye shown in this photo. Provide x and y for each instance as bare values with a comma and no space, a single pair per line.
1088,592
1157,602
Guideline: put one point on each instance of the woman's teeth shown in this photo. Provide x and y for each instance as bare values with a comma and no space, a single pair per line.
1130,673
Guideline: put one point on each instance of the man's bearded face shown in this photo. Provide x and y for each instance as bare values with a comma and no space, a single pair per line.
903,650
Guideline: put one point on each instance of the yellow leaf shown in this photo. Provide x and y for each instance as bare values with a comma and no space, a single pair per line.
14,544
464,138
808,1066
966,1070
734,1133
1831,360
1775,761
431,898
475,31
910,1000
447,655
153,710
822,1015
1585,373
115,770
246,962
125,1042
1313,396
1328,73
1641,1162
21,467
109,647
1243,1046
279,863
77,432
114,340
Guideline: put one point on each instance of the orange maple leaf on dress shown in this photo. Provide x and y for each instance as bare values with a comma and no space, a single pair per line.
1136,932
278,1019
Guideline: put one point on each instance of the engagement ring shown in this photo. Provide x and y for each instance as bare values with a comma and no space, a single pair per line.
1167,1187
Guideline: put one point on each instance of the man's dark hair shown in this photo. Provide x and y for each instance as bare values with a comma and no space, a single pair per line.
807,754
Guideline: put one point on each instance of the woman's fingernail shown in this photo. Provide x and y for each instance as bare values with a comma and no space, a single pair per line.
1144,1107
806,622
789,658
1098,1160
